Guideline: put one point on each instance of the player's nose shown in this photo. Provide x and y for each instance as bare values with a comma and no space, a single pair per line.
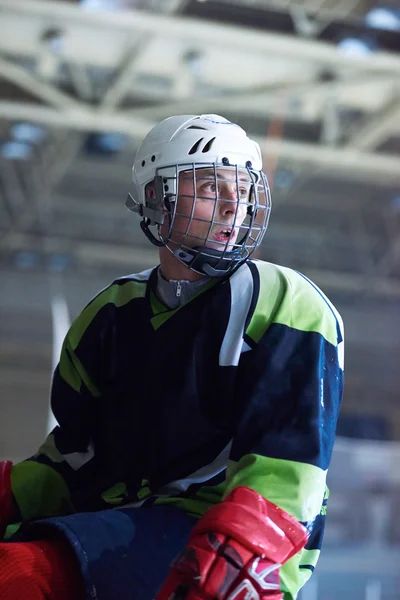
228,198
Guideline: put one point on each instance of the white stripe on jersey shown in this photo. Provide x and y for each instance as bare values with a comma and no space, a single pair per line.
242,286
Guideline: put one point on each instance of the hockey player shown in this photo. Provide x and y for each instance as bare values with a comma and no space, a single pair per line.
198,400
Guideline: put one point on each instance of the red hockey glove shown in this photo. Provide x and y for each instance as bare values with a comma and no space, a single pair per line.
235,552
6,502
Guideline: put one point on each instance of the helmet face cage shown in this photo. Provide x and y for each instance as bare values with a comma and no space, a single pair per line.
210,216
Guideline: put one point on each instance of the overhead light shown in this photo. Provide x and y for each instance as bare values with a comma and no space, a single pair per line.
383,18
109,5
26,259
27,132
356,47
59,262
16,150
105,143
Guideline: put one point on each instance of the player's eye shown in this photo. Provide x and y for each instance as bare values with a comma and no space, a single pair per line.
209,186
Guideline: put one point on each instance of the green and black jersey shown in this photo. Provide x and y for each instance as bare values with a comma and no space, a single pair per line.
239,386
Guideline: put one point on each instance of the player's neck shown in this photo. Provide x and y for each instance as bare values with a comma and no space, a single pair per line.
173,270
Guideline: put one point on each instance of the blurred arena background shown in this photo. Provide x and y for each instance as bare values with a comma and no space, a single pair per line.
317,82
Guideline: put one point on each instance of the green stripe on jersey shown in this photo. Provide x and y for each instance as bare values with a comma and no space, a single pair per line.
293,577
71,369
119,295
297,488
161,313
73,372
156,305
198,504
309,558
287,298
39,490
49,449
68,369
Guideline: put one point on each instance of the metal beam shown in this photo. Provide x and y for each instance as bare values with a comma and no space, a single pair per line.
194,31
378,128
266,99
271,98
80,80
337,10
80,118
125,75
356,163
39,88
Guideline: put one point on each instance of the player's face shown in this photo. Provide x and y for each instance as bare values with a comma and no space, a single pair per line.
210,209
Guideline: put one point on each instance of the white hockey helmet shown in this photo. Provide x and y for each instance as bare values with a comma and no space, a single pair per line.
189,143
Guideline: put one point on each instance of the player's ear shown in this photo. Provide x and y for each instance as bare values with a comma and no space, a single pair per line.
150,191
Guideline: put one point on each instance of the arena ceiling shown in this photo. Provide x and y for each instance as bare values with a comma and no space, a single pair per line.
79,88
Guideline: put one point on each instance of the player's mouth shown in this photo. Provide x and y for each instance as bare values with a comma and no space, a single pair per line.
224,235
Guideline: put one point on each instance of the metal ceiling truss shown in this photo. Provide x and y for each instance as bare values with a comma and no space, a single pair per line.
310,17
136,30
66,86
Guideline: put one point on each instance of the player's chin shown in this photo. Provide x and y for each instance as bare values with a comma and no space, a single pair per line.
197,242
219,246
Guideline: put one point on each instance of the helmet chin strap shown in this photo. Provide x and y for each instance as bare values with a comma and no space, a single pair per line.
208,261
144,225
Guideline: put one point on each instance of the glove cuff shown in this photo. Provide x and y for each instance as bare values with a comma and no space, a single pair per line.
259,525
